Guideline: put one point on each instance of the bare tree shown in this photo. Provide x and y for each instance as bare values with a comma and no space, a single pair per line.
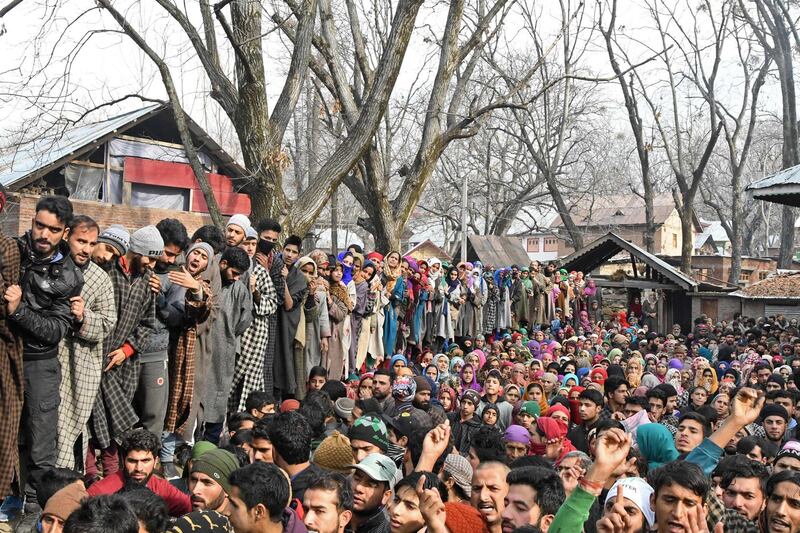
775,30
243,97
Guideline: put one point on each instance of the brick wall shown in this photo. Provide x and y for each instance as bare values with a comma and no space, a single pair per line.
21,208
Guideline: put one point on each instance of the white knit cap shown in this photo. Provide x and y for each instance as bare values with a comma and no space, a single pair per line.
638,492
239,220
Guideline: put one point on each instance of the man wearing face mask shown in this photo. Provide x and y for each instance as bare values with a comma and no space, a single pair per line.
269,231
249,375
234,313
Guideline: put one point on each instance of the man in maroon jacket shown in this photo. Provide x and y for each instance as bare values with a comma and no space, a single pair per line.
140,450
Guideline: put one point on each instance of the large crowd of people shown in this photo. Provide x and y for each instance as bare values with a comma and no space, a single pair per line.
151,381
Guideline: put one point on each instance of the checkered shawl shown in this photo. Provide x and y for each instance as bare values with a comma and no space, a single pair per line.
181,363
11,378
272,341
81,357
249,374
113,412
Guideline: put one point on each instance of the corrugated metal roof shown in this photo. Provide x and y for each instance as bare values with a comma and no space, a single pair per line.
47,150
38,157
495,250
787,176
618,210
598,252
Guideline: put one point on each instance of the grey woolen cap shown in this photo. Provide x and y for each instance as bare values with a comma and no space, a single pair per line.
147,241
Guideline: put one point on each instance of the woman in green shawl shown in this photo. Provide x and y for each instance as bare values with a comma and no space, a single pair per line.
656,444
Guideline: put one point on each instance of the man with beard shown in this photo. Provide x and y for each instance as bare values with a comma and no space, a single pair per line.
236,230
534,496
489,490
139,453
232,316
208,480
188,307
422,401
80,353
39,309
382,389
152,392
372,483
328,503
782,513
134,295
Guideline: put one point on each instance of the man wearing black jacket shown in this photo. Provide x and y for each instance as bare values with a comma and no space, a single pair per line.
39,308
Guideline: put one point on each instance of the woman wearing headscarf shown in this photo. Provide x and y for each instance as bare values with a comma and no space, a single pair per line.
634,371
396,291
657,445
307,328
502,278
473,321
469,379
433,307
360,334
453,298
549,439
318,323
492,306
339,308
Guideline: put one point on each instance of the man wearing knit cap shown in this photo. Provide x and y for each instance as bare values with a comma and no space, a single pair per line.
368,434
39,310
152,393
208,480
517,440
81,354
188,307
775,420
112,243
236,230
135,298
334,453
61,505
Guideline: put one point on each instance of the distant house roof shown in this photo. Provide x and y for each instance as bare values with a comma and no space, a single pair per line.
779,287
618,210
427,249
30,161
598,252
783,187
494,250
702,238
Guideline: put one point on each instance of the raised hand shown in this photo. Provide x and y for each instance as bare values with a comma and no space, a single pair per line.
183,279
746,406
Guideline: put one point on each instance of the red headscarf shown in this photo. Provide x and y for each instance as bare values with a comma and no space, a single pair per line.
555,430
599,370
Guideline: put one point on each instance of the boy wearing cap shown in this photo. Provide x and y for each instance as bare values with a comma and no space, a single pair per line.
39,311
134,294
80,354
464,422
373,482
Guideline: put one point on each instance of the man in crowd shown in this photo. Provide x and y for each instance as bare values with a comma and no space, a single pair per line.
134,295
373,482
209,486
234,308
40,311
139,455
81,352
328,503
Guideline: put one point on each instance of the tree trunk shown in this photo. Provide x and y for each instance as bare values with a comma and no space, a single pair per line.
687,237
786,253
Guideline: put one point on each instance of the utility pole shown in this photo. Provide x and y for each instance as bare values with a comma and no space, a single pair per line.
464,218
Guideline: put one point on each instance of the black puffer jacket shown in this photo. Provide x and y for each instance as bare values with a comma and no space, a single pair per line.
43,316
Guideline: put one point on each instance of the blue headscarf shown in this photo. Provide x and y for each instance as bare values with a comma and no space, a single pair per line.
347,270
